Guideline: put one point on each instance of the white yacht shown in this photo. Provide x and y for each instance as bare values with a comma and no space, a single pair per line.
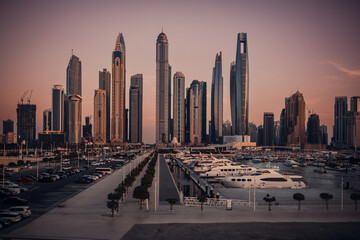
228,170
264,179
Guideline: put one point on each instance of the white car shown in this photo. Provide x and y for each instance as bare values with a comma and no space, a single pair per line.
17,189
12,216
23,210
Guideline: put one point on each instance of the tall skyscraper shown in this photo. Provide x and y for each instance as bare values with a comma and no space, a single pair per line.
324,134
253,132
179,107
313,129
47,120
87,129
135,109
118,91
57,108
73,101
239,88
8,126
204,138
26,123
171,123
340,116
268,129
355,104
227,128
100,108
194,106
277,133
295,119
260,136
217,101
75,110
162,90
104,84
282,133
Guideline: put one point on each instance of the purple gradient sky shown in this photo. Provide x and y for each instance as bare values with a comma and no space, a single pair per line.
310,45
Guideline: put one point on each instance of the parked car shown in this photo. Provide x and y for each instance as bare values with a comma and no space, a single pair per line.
11,191
13,217
5,222
24,179
23,210
82,180
17,189
4,194
31,177
15,201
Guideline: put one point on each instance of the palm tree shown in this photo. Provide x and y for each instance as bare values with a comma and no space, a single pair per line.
326,197
299,197
113,202
171,201
269,200
141,193
355,197
202,199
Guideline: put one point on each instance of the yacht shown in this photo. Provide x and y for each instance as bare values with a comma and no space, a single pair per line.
264,179
227,170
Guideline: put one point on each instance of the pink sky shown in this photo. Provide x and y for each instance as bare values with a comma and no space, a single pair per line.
312,46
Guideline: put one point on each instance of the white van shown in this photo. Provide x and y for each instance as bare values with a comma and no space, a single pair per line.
104,170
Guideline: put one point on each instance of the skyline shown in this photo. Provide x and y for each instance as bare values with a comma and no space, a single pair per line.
278,54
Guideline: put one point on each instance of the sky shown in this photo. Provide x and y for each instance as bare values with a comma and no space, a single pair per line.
310,46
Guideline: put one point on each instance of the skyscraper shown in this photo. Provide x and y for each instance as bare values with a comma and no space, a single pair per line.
87,129
295,119
170,121
104,84
324,134
340,116
313,129
253,132
203,86
162,90
217,101
26,123
8,126
355,104
239,88
227,128
118,91
179,107
74,119
100,119
277,133
194,106
268,129
282,132
135,109
73,101
57,108
47,120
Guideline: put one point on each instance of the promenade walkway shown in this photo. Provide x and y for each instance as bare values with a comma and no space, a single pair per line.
85,216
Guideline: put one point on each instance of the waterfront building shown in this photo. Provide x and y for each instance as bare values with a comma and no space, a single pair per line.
57,109
118,91
239,88
355,104
340,116
162,90
282,131
47,120
170,120
277,133
100,108
135,107
8,126
217,101
313,129
75,108
295,120
87,129
268,129
73,101
324,134
104,84
204,136
137,81
26,123
253,132
126,125
260,136
179,107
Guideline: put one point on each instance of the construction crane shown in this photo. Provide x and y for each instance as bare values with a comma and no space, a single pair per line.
23,96
29,98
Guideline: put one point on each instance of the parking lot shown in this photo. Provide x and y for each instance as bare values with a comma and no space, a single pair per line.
43,195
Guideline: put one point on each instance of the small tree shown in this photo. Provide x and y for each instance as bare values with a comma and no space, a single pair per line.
269,200
113,202
299,197
11,164
202,199
121,190
355,197
20,163
141,193
171,201
326,197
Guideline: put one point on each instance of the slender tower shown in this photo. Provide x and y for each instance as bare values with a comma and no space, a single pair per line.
104,84
239,88
179,107
162,90
100,116
217,101
118,91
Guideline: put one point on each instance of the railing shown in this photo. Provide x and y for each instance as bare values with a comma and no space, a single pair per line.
193,201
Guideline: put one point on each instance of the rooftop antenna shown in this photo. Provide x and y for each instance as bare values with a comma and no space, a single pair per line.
72,51
162,29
